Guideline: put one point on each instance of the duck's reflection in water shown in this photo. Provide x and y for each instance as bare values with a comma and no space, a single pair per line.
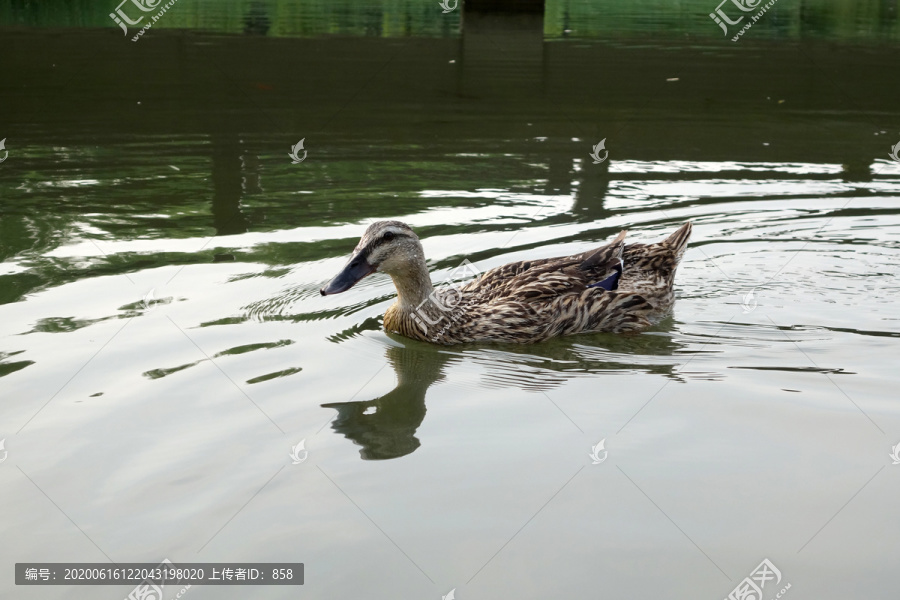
385,427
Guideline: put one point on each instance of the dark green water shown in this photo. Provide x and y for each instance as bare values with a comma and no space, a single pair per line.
163,345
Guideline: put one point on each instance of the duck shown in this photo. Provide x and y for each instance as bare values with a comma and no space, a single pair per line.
618,287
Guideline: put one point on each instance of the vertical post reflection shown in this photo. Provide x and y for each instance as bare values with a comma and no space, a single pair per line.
502,54
227,180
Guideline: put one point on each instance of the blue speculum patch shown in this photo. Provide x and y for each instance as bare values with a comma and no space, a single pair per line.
612,282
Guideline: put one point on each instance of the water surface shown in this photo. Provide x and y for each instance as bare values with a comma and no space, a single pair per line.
163,344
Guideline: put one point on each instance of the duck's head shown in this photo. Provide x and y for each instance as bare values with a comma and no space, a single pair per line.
387,246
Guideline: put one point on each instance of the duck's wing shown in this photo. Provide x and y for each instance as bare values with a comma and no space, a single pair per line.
533,280
604,266
494,281
599,310
609,254
514,320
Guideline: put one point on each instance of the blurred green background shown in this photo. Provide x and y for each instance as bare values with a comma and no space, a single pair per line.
859,20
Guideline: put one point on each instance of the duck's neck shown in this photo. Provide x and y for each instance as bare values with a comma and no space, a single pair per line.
413,285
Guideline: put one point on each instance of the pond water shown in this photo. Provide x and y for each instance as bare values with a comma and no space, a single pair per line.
174,386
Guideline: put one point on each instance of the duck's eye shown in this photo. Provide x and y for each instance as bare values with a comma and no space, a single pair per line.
388,236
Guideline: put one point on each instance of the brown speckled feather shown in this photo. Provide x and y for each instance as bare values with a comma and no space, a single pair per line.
530,301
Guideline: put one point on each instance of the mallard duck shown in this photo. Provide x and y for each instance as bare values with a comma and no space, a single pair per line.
618,287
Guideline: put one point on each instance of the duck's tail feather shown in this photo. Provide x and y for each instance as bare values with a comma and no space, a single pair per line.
678,241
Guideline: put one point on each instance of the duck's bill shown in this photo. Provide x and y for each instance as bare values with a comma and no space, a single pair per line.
354,271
